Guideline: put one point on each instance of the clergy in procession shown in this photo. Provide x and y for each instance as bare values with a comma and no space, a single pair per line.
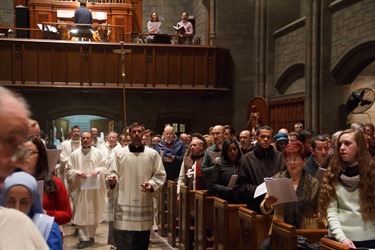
137,173
86,171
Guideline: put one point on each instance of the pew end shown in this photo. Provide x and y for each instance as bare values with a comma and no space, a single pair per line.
329,244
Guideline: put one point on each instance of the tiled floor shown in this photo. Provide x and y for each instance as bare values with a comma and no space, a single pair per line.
70,242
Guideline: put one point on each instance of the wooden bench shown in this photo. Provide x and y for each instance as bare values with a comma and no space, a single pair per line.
204,220
186,225
172,216
284,236
226,225
254,228
329,244
162,211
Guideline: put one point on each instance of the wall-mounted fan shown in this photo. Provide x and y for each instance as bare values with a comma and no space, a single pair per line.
360,100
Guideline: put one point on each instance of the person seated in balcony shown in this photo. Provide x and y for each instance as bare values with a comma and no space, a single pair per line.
153,26
187,32
82,15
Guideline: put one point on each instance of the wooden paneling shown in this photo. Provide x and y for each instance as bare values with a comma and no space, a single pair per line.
33,62
117,14
160,62
286,112
6,68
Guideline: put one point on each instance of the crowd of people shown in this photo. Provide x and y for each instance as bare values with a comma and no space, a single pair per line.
118,179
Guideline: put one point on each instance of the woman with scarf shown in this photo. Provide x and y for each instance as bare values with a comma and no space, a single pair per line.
347,196
303,213
21,192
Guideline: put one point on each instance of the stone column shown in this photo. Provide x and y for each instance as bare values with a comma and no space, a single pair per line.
312,69
212,22
260,45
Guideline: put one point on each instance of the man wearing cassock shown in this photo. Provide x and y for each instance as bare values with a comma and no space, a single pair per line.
86,171
136,172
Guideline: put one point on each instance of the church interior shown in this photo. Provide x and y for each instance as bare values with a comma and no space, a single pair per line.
280,62
294,61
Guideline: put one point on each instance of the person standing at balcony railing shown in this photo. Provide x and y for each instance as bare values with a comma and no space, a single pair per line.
82,15
186,34
153,26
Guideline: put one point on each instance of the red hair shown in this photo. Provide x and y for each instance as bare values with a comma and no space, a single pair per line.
294,148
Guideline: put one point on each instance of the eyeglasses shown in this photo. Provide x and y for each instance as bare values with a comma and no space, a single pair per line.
20,153
295,160
32,152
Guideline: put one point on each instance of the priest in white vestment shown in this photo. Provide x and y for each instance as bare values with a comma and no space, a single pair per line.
136,172
86,171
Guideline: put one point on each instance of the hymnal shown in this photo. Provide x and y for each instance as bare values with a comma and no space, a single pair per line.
180,30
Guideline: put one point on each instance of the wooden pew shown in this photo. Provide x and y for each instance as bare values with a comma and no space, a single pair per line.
204,219
226,225
284,236
186,226
254,228
329,244
162,211
172,216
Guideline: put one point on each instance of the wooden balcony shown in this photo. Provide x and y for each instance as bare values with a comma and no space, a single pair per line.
74,64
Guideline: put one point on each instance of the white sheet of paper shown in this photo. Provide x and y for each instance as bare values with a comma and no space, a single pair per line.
40,190
53,156
232,181
282,189
261,189
91,182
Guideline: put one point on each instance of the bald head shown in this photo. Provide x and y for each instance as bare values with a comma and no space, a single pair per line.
168,133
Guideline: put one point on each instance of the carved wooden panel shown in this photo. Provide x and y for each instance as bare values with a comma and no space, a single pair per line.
30,56
161,66
86,64
286,112
187,68
6,52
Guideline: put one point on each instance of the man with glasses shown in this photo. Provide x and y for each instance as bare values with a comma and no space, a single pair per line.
14,127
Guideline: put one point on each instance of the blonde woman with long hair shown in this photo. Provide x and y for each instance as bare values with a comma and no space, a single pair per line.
347,197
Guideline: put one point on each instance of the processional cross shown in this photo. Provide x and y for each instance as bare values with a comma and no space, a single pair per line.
123,51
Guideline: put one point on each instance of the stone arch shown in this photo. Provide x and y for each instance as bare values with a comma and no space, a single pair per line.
289,75
87,110
353,62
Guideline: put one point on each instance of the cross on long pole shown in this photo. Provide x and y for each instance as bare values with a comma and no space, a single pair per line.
123,51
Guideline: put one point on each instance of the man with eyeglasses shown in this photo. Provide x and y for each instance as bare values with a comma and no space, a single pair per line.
264,161
14,127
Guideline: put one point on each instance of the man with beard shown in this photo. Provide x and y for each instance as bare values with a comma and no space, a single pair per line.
260,163
213,154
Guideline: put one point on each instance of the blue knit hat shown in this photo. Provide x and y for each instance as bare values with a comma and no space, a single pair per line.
281,137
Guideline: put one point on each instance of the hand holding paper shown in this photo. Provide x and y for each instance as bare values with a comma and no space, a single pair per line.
282,189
